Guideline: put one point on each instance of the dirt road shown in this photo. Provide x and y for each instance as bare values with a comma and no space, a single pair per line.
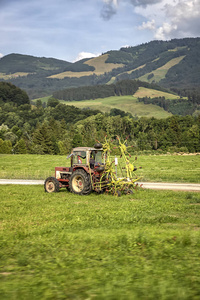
193,187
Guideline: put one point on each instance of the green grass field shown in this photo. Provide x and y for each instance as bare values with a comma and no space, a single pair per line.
151,93
65,246
166,168
125,103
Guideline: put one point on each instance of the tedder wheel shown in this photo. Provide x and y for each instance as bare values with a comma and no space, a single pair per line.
117,193
128,192
80,183
51,185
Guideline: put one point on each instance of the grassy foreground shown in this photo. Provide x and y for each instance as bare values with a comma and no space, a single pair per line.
64,246
165,168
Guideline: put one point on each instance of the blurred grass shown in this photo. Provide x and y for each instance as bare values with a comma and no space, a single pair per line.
162,168
65,246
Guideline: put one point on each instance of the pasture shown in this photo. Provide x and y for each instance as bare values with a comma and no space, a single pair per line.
161,168
125,103
160,73
99,63
151,93
65,246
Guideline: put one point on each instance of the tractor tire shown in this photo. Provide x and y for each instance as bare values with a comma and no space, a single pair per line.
51,185
80,183
100,169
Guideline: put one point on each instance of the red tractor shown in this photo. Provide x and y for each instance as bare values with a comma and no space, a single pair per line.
84,174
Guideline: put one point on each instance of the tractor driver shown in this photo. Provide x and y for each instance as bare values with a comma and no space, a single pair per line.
92,158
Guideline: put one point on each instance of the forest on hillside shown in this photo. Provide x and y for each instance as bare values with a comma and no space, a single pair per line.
56,128
59,127
136,62
179,106
122,87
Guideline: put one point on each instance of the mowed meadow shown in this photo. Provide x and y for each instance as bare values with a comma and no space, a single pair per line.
125,103
128,103
64,246
161,168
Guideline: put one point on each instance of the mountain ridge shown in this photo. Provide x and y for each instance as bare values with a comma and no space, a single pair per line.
40,76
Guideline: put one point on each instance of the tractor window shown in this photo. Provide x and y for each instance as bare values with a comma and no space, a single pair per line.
79,157
96,156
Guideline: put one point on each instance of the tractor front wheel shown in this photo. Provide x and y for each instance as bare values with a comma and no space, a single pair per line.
80,183
51,185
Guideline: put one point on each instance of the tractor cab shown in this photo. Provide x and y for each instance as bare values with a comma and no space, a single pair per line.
87,156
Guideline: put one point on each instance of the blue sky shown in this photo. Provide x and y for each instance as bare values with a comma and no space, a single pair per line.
74,29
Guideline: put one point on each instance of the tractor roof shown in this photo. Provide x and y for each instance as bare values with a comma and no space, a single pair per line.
86,149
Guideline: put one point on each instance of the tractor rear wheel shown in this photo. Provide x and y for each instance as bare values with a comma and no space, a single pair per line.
80,183
51,185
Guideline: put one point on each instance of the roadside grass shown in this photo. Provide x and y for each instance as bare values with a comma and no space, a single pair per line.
125,103
65,246
170,168
161,168
27,166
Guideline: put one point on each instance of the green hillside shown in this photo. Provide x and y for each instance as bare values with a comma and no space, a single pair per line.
171,64
126,103
15,63
98,66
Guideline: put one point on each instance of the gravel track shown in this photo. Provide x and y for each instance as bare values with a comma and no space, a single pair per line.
193,187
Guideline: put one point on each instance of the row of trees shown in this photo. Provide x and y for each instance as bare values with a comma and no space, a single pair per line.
56,136
57,128
180,106
122,87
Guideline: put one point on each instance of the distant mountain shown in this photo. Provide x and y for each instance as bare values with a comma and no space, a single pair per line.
172,64
16,63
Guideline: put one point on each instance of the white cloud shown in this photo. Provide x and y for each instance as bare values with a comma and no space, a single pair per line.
83,55
1,55
147,25
125,46
164,31
172,18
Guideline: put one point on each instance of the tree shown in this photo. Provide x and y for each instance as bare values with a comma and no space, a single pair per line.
5,147
43,139
52,102
77,140
20,147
